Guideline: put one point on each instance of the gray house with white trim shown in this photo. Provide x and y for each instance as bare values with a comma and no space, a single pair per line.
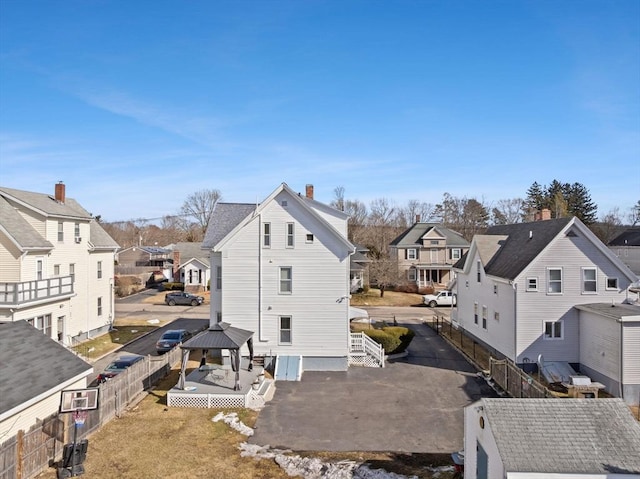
523,291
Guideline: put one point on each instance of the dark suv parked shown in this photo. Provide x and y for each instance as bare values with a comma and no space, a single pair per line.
170,339
180,297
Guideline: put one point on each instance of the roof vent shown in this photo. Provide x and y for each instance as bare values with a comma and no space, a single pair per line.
530,234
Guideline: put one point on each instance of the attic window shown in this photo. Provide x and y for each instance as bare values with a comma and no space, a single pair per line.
309,238
283,203
572,234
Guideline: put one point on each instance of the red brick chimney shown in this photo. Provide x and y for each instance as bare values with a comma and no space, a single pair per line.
417,218
176,264
542,215
60,192
309,192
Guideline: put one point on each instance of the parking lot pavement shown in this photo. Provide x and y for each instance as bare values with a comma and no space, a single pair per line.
414,404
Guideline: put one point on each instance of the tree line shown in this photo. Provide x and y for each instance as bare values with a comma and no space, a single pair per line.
375,225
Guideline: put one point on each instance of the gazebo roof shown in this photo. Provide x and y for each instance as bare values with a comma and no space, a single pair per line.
219,336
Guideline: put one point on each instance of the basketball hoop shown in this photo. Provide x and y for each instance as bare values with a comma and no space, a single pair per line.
80,416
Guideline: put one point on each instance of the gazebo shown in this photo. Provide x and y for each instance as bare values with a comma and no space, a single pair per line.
219,336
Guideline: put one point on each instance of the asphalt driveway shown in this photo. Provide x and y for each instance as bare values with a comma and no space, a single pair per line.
413,405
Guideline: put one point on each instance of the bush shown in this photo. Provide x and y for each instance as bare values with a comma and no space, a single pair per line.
388,341
404,335
171,286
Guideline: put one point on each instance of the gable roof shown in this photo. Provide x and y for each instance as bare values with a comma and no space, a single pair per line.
231,215
18,230
33,364
224,218
630,237
46,205
559,435
412,237
190,250
99,238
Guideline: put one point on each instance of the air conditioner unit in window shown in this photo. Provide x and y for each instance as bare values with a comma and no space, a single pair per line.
78,239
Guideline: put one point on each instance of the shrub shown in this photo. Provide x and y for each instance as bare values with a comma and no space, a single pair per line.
171,286
404,335
389,342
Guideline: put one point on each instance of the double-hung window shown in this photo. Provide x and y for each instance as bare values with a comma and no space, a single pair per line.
286,280
218,277
284,330
553,329
99,269
100,306
76,230
60,231
554,280
266,235
290,235
456,253
478,271
485,314
589,280
475,313
412,253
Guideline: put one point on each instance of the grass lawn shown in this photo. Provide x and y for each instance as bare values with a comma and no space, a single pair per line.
391,298
100,345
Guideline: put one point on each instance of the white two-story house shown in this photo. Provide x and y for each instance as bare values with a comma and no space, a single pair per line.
281,270
523,290
56,265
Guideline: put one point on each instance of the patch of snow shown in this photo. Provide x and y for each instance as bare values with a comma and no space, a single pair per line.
232,420
153,321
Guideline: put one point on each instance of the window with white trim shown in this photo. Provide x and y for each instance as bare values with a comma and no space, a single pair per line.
99,269
56,270
41,323
475,313
612,283
290,235
284,330
309,238
456,253
478,270
411,274
60,231
485,315
532,284
554,280
266,235
39,269
412,253
553,329
218,277
286,280
72,270
589,280
76,230
100,306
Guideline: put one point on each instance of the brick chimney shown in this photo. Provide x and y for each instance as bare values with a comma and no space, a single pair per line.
417,218
542,215
60,194
309,191
176,264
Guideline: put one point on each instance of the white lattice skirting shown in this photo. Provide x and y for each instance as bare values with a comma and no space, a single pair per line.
254,399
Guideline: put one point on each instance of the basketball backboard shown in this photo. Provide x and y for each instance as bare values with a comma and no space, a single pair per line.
79,399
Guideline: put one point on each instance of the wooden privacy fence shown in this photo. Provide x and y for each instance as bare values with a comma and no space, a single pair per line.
27,454
503,372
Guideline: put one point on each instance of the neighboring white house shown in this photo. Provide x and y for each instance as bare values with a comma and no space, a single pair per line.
281,270
553,438
626,246
35,369
56,265
191,265
518,288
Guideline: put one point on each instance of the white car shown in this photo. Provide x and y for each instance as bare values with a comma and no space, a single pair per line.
443,298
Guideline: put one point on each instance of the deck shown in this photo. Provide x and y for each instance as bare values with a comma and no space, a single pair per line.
214,388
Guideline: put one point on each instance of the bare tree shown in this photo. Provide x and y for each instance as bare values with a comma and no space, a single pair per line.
609,226
415,211
199,206
338,198
634,214
508,212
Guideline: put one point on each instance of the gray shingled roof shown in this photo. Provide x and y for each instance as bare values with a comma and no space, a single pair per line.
19,229
224,218
524,242
219,336
32,364
47,203
630,237
191,250
99,238
580,436
412,236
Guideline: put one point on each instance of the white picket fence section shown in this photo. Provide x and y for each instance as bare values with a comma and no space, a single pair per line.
364,351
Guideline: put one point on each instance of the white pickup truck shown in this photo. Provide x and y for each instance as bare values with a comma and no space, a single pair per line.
443,298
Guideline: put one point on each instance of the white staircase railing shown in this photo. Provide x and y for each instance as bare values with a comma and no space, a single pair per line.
364,351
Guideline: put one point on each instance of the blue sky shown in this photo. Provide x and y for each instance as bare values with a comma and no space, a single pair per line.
135,105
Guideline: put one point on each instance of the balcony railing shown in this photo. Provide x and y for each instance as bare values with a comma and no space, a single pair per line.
16,294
